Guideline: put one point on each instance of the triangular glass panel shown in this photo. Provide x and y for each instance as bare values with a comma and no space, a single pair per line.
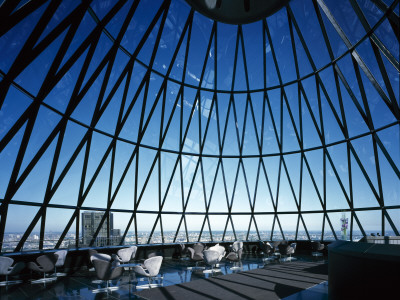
98,149
68,191
286,199
293,166
230,234
189,164
60,96
250,139
97,196
39,67
209,165
262,199
118,70
168,162
338,154
313,223
131,123
363,195
390,181
196,201
217,223
314,159
194,224
56,220
170,225
310,199
15,223
371,221
146,158
395,216
200,37
125,198
156,237
328,234
251,166
335,196
150,195
270,168
33,188
264,224
84,110
206,233
241,223
241,198
218,200
276,233
46,121
8,157
288,223
301,232
145,223
253,234
211,140
109,118
149,47
231,138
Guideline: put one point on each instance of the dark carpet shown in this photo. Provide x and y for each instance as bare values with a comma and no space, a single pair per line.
274,281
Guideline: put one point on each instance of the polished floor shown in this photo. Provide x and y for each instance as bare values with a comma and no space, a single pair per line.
80,284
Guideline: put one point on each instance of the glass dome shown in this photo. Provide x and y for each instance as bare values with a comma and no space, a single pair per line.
166,126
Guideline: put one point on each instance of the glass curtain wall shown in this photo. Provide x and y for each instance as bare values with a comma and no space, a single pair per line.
134,122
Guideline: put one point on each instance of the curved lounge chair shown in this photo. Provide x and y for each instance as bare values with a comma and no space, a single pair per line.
106,271
196,255
125,255
286,251
236,255
150,269
44,264
62,255
317,247
212,258
7,269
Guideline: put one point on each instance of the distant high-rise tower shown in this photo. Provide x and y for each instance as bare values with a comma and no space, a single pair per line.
90,223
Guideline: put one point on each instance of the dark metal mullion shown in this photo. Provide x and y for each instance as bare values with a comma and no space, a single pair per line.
337,73
162,10
301,131
181,130
377,44
390,14
386,154
371,127
26,51
393,107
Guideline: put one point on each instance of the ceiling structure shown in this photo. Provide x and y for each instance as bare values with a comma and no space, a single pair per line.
178,124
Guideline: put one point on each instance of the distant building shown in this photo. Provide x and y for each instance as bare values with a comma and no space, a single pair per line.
90,223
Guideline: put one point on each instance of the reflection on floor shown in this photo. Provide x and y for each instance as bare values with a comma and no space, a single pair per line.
79,285
317,292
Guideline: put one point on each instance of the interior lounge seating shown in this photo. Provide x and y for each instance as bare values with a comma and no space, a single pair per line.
286,251
196,255
107,271
8,269
236,255
98,256
150,269
44,264
62,255
212,258
267,250
317,247
125,255
220,249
